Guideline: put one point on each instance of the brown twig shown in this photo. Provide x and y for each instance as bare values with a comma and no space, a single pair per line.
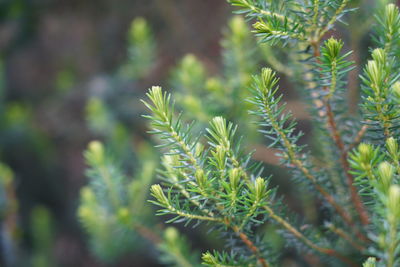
346,237
305,240
346,217
251,246
343,159
291,154
343,151
358,137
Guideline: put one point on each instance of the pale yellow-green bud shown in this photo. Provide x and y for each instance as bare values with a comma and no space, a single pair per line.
379,56
88,195
139,30
234,177
371,262
158,193
201,178
170,161
209,259
374,75
158,98
260,188
261,26
385,172
219,154
96,151
191,69
123,215
85,213
392,147
396,90
334,47
199,149
171,234
214,85
394,203
239,28
366,152
391,13
268,79
220,127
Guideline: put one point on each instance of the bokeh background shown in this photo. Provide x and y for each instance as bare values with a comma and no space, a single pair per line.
54,56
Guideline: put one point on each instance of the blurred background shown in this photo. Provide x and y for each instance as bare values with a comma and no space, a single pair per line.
53,55
60,62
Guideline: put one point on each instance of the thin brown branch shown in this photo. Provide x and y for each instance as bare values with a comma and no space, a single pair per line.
346,167
291,154
251,246
340,232
346,217
358,137
335,134
339,256
305,240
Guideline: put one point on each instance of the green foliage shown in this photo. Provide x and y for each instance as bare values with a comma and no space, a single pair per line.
371,262
208,178
175,250
113,206
141,47
204,97
377,170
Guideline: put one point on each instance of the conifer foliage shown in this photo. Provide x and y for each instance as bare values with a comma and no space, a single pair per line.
208,177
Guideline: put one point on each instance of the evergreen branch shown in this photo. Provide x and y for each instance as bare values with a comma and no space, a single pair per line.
379,105
305,240
392,148
101,169
170,130
173,168
388,35
333,19
221,134
252,8
370,262
264,91
251,246
335,134
163,201
162,121
224,260
315,16
268,30
345,236
343,159
175,250
393,215
221,129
